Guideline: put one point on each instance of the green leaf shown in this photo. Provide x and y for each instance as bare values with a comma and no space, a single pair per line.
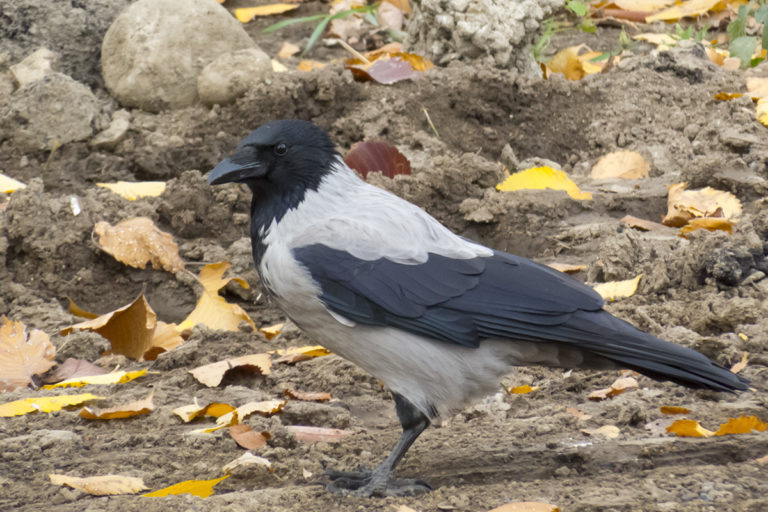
736,29
588,27
603,56
578,8
765,36
761,15
319,29
285,23
743,48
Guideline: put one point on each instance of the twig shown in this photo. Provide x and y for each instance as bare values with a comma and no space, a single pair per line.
429,120
354,52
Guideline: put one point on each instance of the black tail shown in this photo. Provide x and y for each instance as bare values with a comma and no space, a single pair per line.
622,343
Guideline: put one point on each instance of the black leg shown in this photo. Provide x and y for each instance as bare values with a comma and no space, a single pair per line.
379,482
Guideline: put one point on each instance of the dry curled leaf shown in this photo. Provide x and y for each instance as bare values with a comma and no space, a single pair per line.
672,409
372,156
741,425
246,437
613,290
708,223
246,14
200,488
138,241
212,374
247,459
133,191
736,368
629,165
129,410
190,412
22,355
116,377
272,331
43,404
689,8
212,309
566,267
689,428
103,485
684,205
297,354
307,396
288,50
619,386
607,431
575,65
388,68
73,368
307,434
539,178
522,390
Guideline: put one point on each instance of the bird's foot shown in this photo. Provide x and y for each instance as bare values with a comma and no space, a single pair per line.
366,483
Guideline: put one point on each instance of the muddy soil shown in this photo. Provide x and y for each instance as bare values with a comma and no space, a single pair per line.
709,292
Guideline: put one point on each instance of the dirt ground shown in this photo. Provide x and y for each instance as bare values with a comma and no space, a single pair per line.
708,292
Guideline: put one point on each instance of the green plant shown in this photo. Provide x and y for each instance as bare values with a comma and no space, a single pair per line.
368,10
742,45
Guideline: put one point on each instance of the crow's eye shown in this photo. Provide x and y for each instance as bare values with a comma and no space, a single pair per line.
281,149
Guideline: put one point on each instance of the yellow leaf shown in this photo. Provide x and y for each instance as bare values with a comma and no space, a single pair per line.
643,5
212,374
403,5
619,386
568,63
671,409
717,56
309,65
278,67
133,190
736,368
618,289
201,488
135,408
271,331
78,311
657,39
629,165
246,14
22,355
708,223
103,485
164,338
212,309
43,404
683,9
684,205
522,390
741,425
758,86
566,267
104,379
607,431
129,329
9,185
265,407
297,354
190,412
526,506
689,428
138,241
539,178
761,111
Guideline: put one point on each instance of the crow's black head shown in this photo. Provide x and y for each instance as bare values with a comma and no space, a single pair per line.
281,156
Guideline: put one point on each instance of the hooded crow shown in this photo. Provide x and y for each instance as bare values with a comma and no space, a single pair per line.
436,317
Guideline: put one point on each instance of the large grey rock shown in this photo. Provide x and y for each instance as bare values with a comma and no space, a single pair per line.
48,112
155,49
495,32
230,75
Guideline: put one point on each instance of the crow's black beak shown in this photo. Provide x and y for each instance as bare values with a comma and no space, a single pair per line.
228,171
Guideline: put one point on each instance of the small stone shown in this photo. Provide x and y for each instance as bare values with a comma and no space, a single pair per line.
34,67
115,133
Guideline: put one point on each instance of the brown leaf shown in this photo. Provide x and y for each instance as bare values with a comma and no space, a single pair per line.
78,311
643,224
103,485
129,329
212,374
372,156
165,337
671,409
629,165
684,205
308,396
307,434
73,368
246,437
135,408
138,241
708,223
388,68
526,506
736,368
22,355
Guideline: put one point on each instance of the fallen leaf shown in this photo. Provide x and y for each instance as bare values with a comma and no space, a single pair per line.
522,390
278,67
643,5
728,96
129,329
309,65
580,415
307,434
736,368
138,241
133,191
22,355
43,404
684,205
388,68
246,14
190,412
78,311
212,309
246,437
613,290
371,156
118,377
607,431
619,386
308,396
271,332
758,87
566,267
403,5
672,409
200,488
212,374
103,485
708,223
689,428
741,425
689,8
629,165
288,50
573,65
297,354
717,56
539,178
762,460
72,368
643,224
9,185
165,337
135,408
656,38
265,407
526,506
247,459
